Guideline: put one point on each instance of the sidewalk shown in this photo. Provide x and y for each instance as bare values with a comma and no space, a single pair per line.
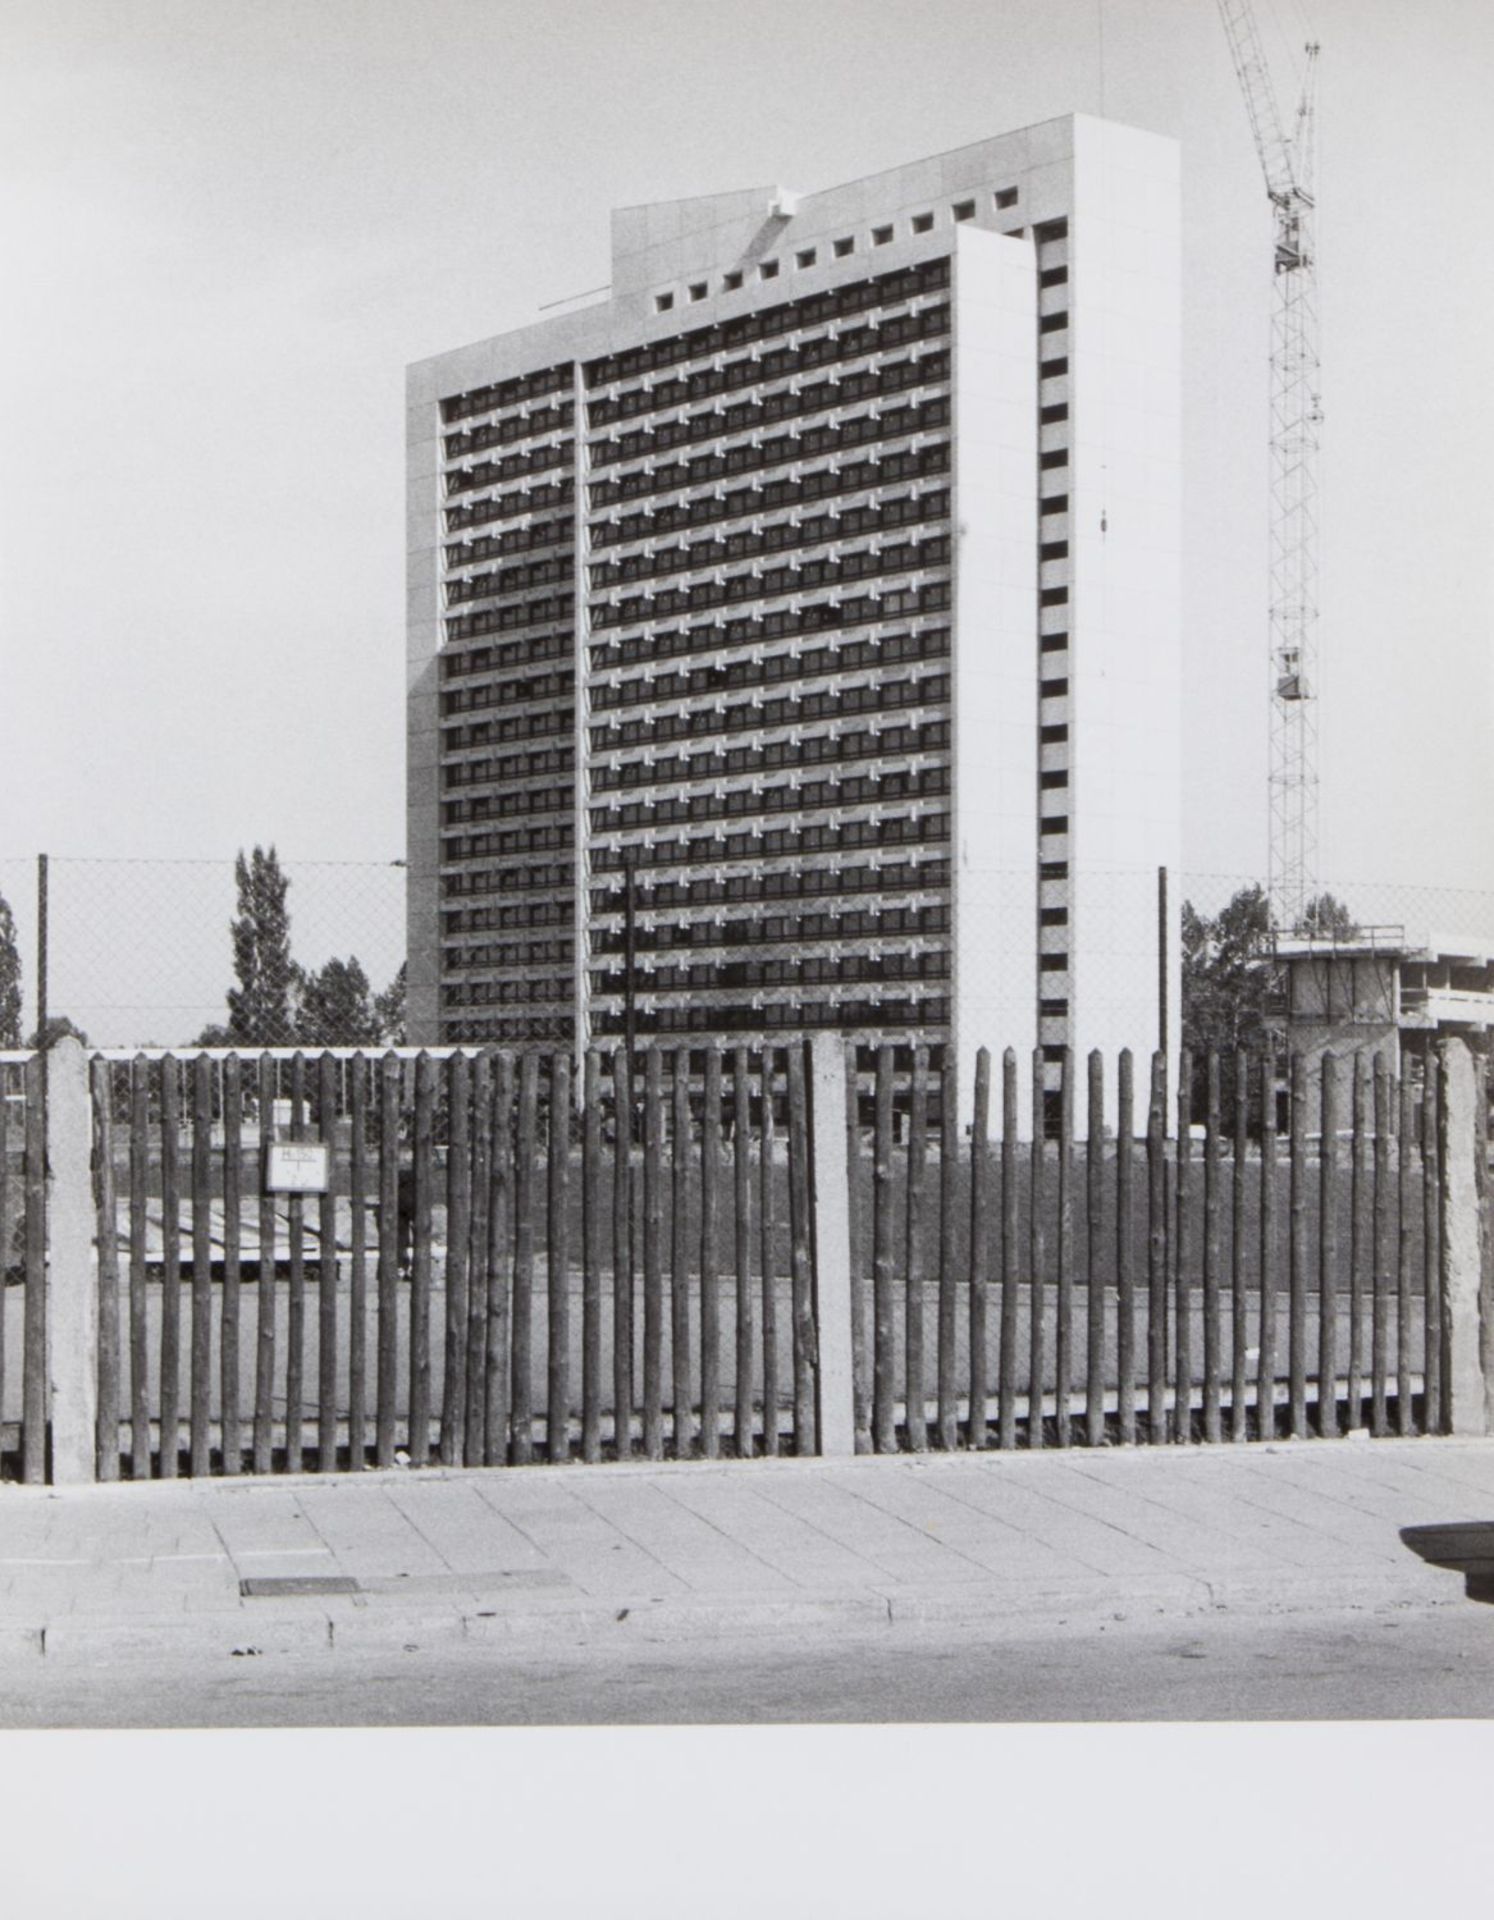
554,1557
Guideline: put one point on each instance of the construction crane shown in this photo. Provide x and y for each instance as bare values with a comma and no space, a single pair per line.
1287,160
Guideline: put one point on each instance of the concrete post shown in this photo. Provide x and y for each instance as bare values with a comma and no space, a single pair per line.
1464,1305
72,1274
831,1218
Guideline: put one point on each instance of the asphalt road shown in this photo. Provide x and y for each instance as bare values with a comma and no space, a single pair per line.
1385,1664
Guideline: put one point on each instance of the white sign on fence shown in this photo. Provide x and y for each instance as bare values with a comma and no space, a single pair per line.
297,1166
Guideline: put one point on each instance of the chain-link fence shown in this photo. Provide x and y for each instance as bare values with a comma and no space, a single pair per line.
140,953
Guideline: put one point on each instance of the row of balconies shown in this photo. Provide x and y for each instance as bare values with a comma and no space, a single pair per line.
746,975
504,693
525,873
910,284
783,577
509,768
861,350
494,546
864,744
510,430
558,609
790,710
925,641
785,449
518,503
526,724
507,656
503,581
751,415
488,473
506,842
705,500
802,881
862,1017
794,796
651,935
506,394
719,848
858,342
760,537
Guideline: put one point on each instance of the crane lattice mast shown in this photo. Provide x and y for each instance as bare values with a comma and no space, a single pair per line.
1287,159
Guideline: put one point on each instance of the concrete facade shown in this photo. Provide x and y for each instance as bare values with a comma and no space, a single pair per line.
826,577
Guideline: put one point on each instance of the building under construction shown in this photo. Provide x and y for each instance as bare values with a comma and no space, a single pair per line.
794,635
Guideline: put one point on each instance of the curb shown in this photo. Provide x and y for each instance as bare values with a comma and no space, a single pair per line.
298,1627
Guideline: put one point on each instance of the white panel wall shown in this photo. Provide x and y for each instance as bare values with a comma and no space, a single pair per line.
1125,657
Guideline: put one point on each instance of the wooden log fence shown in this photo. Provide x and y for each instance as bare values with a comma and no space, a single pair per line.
521,1257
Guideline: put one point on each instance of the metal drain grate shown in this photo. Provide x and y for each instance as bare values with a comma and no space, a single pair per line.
283,1586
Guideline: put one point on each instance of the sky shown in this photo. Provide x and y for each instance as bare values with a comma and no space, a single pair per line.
229,224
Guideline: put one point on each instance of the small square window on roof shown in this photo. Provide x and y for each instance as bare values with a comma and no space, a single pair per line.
881,236
768,270
806,258
963,209
731,281
1006,197
663,302
923,222
698,290
845,246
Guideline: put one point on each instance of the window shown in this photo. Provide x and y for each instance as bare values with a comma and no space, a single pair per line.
1053,369
963,210
731,281
698,290
1053,642
806,258
1051,416
1053,323
844,247
923,223
1054,277
663,302
768,270
1006,197
881,236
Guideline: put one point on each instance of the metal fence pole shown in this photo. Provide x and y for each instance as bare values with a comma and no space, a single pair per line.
41,949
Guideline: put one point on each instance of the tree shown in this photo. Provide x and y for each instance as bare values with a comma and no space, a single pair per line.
389,1011
335,1009
57,1026
261,1008
214,1036
1229,983
10,978
1324,918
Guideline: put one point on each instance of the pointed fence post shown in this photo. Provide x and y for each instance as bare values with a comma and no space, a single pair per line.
72,1276
831,1229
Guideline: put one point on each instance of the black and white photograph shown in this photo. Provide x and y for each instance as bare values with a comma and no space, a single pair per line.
746,953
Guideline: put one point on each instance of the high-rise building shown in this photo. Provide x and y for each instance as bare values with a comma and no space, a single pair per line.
794,634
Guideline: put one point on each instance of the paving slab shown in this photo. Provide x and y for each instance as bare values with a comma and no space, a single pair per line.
565,1556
